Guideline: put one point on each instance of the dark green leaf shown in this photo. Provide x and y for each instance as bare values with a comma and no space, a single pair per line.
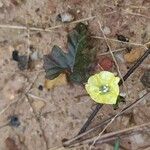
76,61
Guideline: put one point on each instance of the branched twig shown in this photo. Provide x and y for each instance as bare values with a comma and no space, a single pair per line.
115,134
110,50
115,40
135,14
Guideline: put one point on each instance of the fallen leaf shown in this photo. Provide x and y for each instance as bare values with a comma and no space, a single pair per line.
76,61
60,80
133,55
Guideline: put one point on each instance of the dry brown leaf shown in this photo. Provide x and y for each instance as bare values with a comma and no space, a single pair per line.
133,55
60,80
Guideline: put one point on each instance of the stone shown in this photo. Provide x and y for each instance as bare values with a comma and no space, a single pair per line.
34,55
122,38
106,63
14,121
23,62
65,17
106,30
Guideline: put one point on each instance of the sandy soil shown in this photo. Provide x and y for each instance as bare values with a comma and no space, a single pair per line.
49,116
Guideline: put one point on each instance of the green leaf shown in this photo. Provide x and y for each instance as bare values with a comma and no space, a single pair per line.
76,61
116,147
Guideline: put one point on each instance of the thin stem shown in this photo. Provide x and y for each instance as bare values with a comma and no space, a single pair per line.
116,133
132,69
87,123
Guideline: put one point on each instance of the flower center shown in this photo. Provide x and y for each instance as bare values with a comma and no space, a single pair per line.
104,89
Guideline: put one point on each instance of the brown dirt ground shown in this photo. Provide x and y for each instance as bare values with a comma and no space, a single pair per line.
62,114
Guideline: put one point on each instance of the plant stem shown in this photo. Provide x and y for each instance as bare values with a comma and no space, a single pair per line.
87,123
99,106
117,142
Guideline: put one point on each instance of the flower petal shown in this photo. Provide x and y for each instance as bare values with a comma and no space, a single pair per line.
95,80
115,80
106,99
106,76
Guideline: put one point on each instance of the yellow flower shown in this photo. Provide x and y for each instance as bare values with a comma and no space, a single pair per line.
103,87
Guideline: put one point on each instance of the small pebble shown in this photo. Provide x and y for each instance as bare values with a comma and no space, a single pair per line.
106,63
40,87
34,55
15,55
23,62
122,38
65,17
14,121
123,94
106,30
78,11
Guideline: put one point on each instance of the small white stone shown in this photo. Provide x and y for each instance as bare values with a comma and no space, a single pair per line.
123,94
34,55
66,17
106,30
78,11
